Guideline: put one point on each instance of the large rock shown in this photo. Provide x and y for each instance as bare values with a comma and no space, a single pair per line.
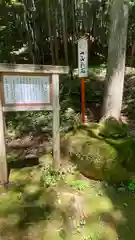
99,157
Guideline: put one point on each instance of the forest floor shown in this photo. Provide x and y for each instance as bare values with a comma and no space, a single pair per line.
76,208
72,207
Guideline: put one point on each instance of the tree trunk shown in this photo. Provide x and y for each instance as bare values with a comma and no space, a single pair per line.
56,32
73,36
50,31
132,54
29,31
54,28
116,60
64,32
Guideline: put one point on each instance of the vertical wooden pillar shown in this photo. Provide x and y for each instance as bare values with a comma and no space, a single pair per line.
56,122
3,158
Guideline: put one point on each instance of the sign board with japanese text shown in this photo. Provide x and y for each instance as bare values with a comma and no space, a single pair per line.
26,92
83,57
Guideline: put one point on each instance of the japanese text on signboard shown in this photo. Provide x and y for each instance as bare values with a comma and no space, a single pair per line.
83,57
26,89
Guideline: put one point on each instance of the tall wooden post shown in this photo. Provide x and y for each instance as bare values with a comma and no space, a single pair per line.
56,122
3,158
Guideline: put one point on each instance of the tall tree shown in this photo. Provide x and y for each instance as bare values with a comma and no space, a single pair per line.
116,59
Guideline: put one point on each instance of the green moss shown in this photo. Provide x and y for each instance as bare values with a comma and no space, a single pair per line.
109,157
111,128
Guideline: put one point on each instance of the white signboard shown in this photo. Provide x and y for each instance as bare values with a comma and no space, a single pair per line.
26,90
83,57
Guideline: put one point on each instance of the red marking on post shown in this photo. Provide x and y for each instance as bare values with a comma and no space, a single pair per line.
83,99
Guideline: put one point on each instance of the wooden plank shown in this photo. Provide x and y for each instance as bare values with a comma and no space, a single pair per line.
31,68
56,122
3,158
27,108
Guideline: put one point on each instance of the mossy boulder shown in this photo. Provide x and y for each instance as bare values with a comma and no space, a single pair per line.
100,157
111,128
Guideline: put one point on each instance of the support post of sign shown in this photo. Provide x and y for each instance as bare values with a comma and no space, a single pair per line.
3,158
56,122
83,99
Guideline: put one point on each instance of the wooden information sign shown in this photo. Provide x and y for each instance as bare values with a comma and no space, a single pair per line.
26,92
29,88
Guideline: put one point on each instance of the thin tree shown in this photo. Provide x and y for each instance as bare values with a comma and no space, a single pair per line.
50,30
74,33
64,32
54,28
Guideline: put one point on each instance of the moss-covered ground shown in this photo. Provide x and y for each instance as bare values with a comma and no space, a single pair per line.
69,207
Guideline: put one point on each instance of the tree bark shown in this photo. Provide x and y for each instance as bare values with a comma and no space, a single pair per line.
132,54
54,28
116,60
29,31
64,32
73,35
50,31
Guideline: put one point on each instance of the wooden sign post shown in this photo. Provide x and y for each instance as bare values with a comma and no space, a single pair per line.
29,88
83,70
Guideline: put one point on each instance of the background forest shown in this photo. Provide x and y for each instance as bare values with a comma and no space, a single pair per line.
46,32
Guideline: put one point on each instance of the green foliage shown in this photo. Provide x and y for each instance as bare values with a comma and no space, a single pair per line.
92,236
28,29
131,186
41,121
26,122
25,39
80,185
50,177
127,186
